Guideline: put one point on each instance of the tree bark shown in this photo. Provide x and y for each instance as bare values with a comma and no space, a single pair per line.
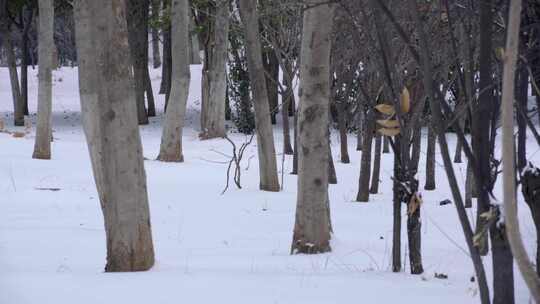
265,138
109,118
430,160
42,146
215,76
312,229
285,101
156,56
511,223
365,163
171,139
343,133
375,175
18,110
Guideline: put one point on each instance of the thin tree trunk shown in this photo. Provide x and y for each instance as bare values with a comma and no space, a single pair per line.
14,79
295,143
265,138
375,175
386,146
171,139
215,74
165,85
509,179
343,133
359,129
430,160
469,186
365,163
332,176
46,49
156,57
285,101
109,118
28,14
312,229
195,57
522,88
396,202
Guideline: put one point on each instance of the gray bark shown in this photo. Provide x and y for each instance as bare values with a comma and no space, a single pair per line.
430,160
214,76
265,138
312,229
109,117
42,147
171,140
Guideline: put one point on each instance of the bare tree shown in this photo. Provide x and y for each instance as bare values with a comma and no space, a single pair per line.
42,147
265,138
171,140
109,116
312,229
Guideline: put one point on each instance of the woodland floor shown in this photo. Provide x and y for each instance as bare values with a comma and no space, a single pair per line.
230,248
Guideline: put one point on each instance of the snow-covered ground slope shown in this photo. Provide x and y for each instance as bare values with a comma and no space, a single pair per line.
230,248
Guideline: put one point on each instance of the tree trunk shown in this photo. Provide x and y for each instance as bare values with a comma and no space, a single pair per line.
109,118
14,79
430,160
295,139
312,229
265,138
521,97
195,57
46,49
365,163
215,76
359,129
343,133
165,86
386,146
531,193
285,101
502,257
136,22
171,139
156,57
28,13
332,177
396,202
469,186
375,177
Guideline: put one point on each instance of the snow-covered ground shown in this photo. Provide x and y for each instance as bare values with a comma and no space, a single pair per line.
231,248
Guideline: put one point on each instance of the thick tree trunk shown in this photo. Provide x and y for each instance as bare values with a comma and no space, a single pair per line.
430,160
312,229
156,56
42,147
171,139
375,175
265,138
109,118
365,163
215,76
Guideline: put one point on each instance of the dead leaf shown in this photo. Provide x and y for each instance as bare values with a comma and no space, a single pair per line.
405,100
18,134
389,131
388,123
414,203
385,109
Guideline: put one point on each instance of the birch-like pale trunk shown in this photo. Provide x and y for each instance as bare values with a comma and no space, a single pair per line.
265,137
215,77
109,117
312,229
508,154
46,51
171,139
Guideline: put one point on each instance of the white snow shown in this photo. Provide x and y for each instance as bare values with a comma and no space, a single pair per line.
231,248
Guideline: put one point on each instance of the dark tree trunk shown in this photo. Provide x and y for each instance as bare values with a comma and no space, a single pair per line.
522,88
28,14
289,99
343,133
365,163
332,177
430,160
295,152
156,58
469,186
386,146
375,177
414,228
359,129
396,201
271,65
503,266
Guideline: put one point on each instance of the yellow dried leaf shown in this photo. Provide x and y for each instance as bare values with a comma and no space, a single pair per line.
18,134
414,203
405,100
385,109
389,131
388,123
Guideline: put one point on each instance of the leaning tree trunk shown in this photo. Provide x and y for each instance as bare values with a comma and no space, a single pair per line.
109,118
312,229
215,76
46,49
265,138
171,139
430,160
509,173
